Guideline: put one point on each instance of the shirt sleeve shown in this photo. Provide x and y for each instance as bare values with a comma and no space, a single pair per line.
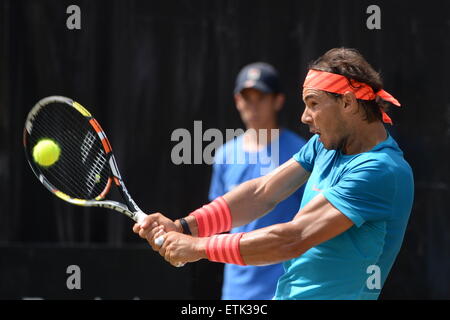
365,193
307,154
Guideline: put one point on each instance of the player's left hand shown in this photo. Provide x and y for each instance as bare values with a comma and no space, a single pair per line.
179,248
152,223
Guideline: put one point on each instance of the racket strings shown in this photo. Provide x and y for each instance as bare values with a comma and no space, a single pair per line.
69,175
50,133
72,172
97,167
82,170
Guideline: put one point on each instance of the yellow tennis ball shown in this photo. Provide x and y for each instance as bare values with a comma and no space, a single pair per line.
46,152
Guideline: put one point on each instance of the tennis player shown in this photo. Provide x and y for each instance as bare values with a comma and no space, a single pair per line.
355,208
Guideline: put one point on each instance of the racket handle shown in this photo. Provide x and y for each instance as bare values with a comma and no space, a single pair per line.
159,242
140,216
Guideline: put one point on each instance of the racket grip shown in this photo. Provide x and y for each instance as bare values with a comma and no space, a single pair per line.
159,242
140,216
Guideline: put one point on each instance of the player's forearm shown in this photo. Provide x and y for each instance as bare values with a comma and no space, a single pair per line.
273,244
264,246
249,201
240,206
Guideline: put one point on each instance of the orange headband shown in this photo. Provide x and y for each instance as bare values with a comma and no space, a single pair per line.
336,83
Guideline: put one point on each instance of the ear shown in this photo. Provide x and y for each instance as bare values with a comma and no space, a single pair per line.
350,101
238,101
279,101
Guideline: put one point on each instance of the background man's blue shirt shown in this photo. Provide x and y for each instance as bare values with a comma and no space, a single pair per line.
375,190
253,282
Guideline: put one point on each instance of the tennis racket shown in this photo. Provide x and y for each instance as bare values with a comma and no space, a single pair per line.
86,167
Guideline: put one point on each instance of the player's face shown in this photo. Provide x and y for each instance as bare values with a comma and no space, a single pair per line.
258,109
323,116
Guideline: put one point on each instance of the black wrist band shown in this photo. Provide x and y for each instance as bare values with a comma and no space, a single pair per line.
185,226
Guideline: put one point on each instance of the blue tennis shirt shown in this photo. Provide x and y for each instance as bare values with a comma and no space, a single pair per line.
375,190
232,167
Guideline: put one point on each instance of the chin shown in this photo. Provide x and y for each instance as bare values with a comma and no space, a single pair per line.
251,121
330,145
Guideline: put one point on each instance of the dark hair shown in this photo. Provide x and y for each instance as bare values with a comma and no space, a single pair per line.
351,64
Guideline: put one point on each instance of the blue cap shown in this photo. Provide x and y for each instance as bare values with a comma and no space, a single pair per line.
261,76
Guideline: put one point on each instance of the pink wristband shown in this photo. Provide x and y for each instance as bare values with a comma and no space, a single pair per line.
225,248
213,218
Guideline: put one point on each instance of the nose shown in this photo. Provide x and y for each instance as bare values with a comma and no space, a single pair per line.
306,117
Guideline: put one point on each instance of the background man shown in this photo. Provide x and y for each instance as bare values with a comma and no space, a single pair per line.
258,99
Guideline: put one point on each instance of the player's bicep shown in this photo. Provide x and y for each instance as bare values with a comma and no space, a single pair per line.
319,221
